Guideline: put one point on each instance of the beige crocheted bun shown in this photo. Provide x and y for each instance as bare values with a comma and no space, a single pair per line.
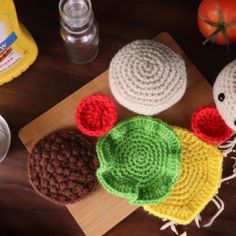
224,91
147,77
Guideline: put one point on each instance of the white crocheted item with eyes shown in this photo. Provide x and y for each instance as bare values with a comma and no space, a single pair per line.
147,77
224,91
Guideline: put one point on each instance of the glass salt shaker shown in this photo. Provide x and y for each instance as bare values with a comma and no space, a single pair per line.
79,30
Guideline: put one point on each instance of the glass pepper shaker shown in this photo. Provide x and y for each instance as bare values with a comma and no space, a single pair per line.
79,30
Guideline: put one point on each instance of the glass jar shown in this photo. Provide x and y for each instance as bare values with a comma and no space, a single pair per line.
79,30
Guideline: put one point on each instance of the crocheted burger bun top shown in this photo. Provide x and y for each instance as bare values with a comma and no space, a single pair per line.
224,91
147,77
201,170
209,126
139,160
62,167
96,115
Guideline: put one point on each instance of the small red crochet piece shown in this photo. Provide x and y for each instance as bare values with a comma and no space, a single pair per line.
208,125
96,115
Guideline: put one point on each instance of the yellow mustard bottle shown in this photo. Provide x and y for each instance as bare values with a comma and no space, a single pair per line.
17,47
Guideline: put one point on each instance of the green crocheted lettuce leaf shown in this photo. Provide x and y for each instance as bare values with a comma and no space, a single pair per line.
139,160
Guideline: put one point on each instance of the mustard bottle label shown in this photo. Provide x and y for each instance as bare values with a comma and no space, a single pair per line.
17,47
9,55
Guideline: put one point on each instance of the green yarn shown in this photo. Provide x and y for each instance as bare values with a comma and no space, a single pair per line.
140,160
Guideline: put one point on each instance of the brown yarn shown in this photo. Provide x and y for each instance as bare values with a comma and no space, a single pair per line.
62,167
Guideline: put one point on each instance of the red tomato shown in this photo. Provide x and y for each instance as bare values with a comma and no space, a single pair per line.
209,10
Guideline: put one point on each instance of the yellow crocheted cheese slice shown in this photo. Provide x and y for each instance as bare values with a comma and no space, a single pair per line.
201,171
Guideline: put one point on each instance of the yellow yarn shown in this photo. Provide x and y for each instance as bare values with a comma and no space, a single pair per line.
201,171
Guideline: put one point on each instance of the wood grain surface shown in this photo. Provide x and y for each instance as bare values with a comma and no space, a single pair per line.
53,77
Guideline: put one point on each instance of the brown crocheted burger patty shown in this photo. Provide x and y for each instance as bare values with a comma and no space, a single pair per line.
62,167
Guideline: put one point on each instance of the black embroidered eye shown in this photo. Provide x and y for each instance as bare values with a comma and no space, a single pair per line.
221,97
235,122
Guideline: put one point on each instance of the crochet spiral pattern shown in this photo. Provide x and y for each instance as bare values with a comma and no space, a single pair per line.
139,160
224,91
96,115
147,77
62,167
201,170
208,125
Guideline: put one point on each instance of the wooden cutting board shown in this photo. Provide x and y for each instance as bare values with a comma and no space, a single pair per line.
101,211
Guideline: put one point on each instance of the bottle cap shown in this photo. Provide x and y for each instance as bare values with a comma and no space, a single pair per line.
75,13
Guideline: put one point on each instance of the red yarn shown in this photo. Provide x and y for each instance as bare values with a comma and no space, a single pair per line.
96,115
208,125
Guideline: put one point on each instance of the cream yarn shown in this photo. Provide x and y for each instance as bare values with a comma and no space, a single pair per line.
147,77
224,91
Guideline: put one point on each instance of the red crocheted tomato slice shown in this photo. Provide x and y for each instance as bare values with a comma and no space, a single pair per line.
96,115
208,125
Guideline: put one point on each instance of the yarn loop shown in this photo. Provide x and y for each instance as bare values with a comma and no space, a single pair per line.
139,160
147,77
201,170
96,115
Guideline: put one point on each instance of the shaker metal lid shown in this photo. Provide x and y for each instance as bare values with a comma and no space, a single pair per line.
5,138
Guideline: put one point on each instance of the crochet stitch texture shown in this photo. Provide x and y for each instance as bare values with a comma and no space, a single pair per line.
224,91
147,77
201,170
209,126
62,167
96,115
139,160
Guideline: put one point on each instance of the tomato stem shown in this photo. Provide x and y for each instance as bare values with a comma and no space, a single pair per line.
230,25
212,37
221,18
220,27
209,22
